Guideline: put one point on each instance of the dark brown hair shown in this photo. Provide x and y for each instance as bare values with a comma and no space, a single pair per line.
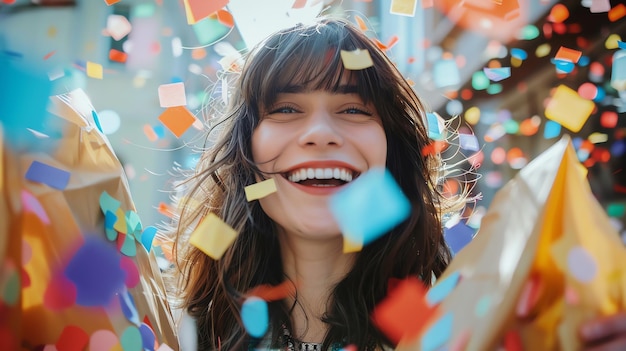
211,291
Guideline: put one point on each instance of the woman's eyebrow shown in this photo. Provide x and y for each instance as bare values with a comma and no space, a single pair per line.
340,89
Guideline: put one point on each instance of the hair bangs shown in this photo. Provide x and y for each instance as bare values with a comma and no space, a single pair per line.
308,59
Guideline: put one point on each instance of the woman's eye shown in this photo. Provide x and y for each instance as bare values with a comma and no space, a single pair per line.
356,111
284,109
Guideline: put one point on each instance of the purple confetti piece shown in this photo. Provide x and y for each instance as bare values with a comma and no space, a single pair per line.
49,175
128,307
147,337
95,271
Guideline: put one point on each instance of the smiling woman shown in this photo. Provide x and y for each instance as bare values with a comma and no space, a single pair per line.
298,116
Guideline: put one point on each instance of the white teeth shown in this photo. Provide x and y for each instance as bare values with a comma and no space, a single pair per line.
320,173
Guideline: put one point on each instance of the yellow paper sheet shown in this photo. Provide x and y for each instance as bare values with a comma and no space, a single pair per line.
260,189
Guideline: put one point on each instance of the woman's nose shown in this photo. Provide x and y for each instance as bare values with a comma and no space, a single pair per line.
320,130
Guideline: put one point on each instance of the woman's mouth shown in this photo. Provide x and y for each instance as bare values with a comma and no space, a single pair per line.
321,177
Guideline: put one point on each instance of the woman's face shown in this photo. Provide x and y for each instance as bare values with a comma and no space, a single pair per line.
317,142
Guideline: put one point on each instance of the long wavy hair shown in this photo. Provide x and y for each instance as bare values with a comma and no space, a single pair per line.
212,291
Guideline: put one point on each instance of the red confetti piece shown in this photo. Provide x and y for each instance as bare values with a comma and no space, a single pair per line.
272,293
225,18
396,316
117,56
60,293
132,273
48,55
512,341
72,338
617,12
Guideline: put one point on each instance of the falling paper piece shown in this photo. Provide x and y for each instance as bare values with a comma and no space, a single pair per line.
102,340
438,334
118,27
563,66
72,338
254,314
213,236
131,339
350,246
49,175
127,304
568,54
581,264
171,95
177,119
95,271
403,7
598,6
126,244
497,74
260,189
551,130
468,142
617,12
356,60
132,273
111,2
147,337
197,10
436,127
446,73
369,206
618,73
60,293
458,236
148,236
117,56
442,289
109,221
568,109
273,293
94,70
396,314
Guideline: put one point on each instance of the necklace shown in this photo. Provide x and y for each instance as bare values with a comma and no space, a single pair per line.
290,344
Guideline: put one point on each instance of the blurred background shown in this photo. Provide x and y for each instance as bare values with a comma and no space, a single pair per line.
498,65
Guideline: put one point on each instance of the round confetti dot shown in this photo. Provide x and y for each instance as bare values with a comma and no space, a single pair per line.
454,107
10,283
102,340
109,121
255,318
482,307
60,293
95,271
498,155
558,13
147,337
581,264
131,339
72,338
472,115
132,273
587,91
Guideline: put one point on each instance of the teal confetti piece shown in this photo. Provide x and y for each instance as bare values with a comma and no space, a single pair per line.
148,236
96,121
519,53
564,66
128,247
438,334
131,339
446,73
369,206
551,129
254,314
133,224
435,126
109,220
108,203
442,289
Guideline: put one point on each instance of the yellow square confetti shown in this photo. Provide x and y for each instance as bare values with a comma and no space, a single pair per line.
94,70
351,246
260,189
356,60
213,236
403,7
568,109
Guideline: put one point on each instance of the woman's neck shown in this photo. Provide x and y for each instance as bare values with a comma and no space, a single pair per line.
315,266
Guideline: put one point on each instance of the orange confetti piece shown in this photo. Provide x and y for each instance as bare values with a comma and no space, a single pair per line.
273,292
117,56
198,53
395,315
165,209
197,10
149,132
298,4
434,148
568,54
177,119
111,2
225,18
558,13
361,23
512,341
48,55
392,41
617,12
428,4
